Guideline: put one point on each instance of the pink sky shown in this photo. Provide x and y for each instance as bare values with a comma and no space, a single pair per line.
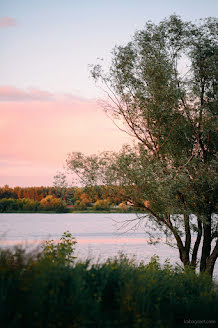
48,45
38,129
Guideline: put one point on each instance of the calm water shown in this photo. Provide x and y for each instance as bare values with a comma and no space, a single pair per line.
98,235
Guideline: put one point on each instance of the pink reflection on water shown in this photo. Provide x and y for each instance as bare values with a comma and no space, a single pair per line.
79,241
113,241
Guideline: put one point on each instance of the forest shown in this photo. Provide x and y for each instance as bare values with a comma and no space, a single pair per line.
69,199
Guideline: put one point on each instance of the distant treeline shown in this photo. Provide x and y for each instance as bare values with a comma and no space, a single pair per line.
34,193
59,198
49,203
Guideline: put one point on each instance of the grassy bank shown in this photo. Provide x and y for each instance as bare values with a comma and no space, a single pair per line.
69,210
51,290
35,212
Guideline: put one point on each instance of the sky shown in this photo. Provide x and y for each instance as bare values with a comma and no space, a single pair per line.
49,105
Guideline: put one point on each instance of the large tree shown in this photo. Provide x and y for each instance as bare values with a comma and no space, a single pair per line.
162,90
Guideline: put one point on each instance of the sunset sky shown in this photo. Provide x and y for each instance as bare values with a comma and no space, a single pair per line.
48,102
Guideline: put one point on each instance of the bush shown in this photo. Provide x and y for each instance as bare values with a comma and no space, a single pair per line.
28,205
79,206
50,203
123,207
44,291
61,252
8,204
14,205
102,204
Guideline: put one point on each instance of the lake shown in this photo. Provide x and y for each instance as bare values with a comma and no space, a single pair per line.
98,235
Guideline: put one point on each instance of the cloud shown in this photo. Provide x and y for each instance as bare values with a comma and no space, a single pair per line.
7,22
10,93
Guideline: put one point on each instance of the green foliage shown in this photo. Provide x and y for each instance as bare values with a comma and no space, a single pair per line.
117,293
13,205
28,205
7,192
62,251
48,203
7,204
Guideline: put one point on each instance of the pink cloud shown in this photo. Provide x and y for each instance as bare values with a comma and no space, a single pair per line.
7,22
10,93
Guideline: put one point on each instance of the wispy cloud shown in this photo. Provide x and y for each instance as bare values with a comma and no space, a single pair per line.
10,93
7,22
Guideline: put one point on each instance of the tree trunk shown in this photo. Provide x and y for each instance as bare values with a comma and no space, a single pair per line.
212,260
206,248
187,239
196,245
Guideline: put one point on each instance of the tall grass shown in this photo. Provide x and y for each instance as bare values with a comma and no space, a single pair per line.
37,290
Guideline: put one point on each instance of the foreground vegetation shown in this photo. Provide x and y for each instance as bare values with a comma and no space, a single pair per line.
53,289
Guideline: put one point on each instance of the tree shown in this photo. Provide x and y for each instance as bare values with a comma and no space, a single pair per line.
50,203
60,183
102,204
162,90
7,192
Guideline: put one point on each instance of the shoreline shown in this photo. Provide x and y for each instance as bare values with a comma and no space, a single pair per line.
72,212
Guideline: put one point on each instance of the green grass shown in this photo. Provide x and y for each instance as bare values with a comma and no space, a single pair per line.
52,289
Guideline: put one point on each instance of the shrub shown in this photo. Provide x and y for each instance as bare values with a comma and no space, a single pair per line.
50,203
123,207
62,251
28,205
44,291
79,206
8,204
13,205
101,204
